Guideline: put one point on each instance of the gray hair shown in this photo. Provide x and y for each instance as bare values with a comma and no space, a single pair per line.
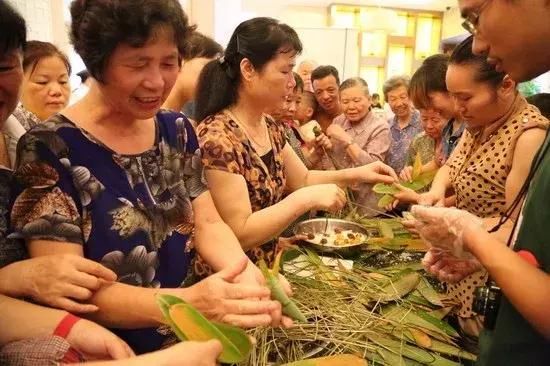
353,82
394,83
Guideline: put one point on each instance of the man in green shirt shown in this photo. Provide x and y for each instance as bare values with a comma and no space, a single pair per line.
515,36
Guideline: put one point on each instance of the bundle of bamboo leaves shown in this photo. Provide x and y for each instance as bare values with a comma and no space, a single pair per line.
389,316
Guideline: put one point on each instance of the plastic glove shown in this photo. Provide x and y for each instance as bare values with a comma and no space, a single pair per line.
443,228
447,268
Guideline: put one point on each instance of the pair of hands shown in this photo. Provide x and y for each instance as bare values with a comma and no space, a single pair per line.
239,296
444,229
97,343
334,132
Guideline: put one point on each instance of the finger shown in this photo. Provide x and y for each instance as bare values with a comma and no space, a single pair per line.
212,348
74,307
94,268
241,291
250,306
86,280
76,292
287,322
248,321
118,349
230,272
285,285
276,317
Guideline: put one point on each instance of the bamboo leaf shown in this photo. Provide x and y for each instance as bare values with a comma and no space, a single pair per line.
417,166
429,293
385,230
421,338
165,302
385,200
339,360
438,323
441,313
399,286
195,327
449,349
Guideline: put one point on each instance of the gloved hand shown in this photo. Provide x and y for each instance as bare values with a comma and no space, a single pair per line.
447,268
444,228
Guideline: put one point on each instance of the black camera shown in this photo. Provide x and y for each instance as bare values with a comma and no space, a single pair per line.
486,302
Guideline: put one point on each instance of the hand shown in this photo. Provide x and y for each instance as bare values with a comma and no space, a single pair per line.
405,195
97,343
62,281
253,276
219,299
447,268
444,228
323,142
181,354
376,172
337,133
406,174
324,197
290,242
431,199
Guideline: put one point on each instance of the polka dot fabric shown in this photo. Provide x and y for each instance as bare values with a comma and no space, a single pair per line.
478,172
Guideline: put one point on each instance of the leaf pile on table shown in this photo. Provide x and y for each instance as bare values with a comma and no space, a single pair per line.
388,316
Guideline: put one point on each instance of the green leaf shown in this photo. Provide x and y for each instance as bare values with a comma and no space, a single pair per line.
385,230
417,166
429,293
235,342
399,286
385,200
189,325
438,323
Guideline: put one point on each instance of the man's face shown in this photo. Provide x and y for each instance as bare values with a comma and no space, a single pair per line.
326,92
515,35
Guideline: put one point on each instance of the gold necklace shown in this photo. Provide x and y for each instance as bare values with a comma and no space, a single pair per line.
248,134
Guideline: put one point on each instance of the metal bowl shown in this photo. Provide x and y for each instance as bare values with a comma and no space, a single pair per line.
321,225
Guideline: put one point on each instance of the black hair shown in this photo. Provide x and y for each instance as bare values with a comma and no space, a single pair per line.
429,78
353,82
13,30
83,75
542,102
98,27
485,73
259,40
199,45
299,83
37,50
375,95
323,71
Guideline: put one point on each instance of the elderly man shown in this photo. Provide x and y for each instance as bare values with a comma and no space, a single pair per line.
305,68
405,125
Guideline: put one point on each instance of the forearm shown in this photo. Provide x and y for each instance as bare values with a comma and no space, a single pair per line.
266,224
21,320
363,157
10,284
343,177
218,245
441,182
512,273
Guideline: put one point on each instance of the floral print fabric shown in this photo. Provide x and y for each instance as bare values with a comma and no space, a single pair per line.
132,213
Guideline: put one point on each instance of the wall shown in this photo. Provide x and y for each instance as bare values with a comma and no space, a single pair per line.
452,23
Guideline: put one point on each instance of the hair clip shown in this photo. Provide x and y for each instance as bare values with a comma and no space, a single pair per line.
221,59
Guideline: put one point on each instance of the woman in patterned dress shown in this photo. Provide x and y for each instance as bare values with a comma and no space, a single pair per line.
118,181
493,157
249,165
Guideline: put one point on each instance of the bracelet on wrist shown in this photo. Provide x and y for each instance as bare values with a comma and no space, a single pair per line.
65,325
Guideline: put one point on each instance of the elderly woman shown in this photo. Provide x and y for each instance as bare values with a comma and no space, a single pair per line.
249,164
117,181
405,124
492,159
357,137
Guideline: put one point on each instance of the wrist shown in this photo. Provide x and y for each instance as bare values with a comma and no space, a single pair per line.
10,283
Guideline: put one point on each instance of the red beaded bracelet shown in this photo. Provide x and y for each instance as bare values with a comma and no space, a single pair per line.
65,325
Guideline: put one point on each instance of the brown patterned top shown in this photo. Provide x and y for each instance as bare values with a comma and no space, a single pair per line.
478,172
225,146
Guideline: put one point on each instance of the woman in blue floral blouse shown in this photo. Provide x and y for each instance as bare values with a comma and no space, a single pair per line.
116,180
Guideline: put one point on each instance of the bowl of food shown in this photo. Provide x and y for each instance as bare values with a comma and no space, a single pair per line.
333,235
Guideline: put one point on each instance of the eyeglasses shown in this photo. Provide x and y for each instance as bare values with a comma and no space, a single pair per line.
471,21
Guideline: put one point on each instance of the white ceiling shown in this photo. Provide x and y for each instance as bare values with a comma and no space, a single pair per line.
439,5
